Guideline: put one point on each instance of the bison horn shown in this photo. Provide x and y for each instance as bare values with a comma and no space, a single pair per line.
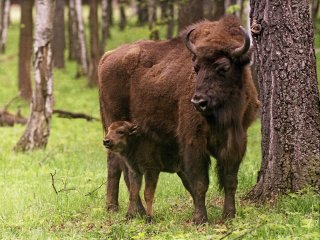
188,43
238,52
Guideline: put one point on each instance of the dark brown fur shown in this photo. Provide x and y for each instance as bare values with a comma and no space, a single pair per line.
151,83
143,157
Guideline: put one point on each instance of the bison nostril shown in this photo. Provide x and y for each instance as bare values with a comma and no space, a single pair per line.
107,142
200,104
203,104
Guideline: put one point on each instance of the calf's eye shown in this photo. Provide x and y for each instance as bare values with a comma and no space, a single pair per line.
120,132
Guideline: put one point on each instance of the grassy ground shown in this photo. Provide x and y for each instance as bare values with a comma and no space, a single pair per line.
30,209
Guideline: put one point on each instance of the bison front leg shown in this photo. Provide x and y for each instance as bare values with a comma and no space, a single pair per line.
196,172
229,182
114,174
135,206
151,180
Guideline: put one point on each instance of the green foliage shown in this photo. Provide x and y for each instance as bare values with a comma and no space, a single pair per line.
30,208
233,9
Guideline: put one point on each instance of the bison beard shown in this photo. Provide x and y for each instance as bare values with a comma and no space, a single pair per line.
152,83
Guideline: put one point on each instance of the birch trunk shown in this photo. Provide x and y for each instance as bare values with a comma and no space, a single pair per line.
81,39
38,126
286,70
4,14
94,43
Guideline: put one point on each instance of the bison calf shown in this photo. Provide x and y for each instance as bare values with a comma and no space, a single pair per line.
142,157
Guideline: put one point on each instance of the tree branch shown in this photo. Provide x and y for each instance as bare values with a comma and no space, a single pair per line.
52,181
96,189
68,114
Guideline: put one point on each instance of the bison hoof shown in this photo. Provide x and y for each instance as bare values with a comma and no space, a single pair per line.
149,219
199,220
228,214
135,212
112,208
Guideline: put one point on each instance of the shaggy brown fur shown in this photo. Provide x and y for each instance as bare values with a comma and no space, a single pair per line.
152,83
143,157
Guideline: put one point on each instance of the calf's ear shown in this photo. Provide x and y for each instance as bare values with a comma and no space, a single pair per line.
133,129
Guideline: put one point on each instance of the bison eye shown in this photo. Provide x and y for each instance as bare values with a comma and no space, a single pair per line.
120,132
196,68
222,69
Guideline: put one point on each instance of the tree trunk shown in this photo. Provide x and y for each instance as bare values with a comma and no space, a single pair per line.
170,20
4,15
190,11
81,38
25,50
110,12
286,70
58,41
72,30
154,32
142,8
105,25
123,17
94,43
219,9
38,127
164,9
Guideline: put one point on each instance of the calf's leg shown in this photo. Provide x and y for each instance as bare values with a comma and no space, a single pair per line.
135,206
113,178
151,179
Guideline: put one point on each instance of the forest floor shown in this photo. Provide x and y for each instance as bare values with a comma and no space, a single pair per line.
31,209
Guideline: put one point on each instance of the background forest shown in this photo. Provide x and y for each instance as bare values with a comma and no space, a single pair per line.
59,192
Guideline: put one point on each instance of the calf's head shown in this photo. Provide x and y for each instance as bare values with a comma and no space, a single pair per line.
118,135
220,51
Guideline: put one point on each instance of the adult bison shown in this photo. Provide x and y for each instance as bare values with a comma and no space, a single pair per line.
193,95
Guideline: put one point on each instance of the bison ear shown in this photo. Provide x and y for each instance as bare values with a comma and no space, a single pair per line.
134,129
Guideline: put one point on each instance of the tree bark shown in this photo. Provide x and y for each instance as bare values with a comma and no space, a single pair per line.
190,11
25,50
110,12
154,32
72,30
4,15
58,41
94,43
83,67
219,9
286,70
105,25
38,126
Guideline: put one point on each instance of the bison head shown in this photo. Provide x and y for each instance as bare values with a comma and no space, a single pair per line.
219,50
117,138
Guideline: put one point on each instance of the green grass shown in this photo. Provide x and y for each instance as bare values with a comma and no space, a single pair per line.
30,209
